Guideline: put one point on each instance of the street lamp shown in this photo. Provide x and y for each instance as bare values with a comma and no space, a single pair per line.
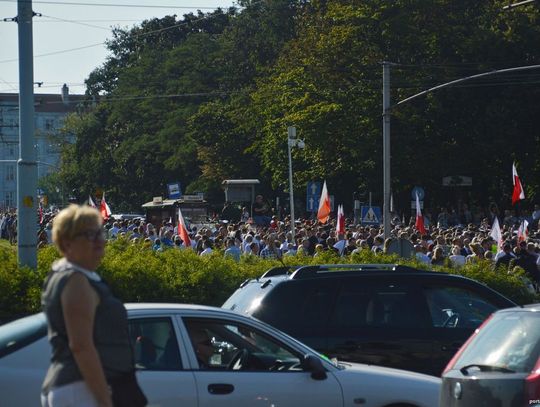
387,111
292,141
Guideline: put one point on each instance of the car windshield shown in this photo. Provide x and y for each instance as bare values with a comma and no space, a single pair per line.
19,333
509,340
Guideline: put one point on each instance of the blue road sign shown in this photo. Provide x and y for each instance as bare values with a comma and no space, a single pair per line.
313,195
175,192
370,215
420,191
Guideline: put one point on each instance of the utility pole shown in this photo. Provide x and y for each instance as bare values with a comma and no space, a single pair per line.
26,165
291,138
386,149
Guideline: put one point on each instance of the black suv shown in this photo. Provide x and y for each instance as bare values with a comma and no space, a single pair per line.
387,315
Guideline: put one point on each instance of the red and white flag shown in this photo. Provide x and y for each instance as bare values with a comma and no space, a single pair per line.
419,224
40,212
523,233
324,205
340,225
518,194
182,230
496,234
104,208
91,202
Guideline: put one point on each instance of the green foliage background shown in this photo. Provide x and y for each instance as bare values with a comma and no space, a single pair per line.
137,274
207,97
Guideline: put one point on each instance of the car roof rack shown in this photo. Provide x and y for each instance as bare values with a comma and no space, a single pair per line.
323,269
279,271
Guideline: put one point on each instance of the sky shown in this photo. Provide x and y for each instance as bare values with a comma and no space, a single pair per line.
68,24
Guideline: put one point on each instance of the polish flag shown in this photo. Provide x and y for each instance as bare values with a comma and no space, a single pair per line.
518,193
324,205
496,234
91,202
104,209
522,233
340,225
419,224
40,213
182,230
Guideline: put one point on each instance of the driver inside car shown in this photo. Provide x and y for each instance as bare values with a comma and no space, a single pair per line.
202,343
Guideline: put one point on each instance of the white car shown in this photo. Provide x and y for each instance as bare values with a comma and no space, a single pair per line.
247,363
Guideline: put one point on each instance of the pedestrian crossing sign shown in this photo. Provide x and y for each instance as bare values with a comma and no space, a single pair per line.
370,215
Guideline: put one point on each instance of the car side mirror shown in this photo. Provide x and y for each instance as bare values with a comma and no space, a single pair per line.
314,365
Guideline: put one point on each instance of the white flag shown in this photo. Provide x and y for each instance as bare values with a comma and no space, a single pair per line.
91,202
496,233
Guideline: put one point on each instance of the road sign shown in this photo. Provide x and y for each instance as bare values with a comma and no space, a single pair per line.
420,191
175,192
370,215
401,247
313,195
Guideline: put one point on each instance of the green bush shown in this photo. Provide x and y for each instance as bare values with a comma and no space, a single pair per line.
138,274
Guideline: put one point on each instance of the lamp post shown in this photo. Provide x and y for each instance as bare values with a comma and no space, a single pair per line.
387,111
292,141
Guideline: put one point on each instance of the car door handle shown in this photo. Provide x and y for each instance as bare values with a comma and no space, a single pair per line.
220,388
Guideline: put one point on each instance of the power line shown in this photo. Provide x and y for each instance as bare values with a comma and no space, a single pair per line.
75,22
179,24
112,5
91,21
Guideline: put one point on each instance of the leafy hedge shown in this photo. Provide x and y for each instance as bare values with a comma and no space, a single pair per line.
138,274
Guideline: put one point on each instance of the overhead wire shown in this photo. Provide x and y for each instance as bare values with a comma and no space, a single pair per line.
65,3
179,24
78,23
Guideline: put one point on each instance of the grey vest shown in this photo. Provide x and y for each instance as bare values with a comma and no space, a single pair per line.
111,336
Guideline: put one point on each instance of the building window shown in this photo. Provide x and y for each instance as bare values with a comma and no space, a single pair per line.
49,124
10,199
10,172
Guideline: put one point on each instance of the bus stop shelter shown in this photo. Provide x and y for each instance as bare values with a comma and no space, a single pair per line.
240,190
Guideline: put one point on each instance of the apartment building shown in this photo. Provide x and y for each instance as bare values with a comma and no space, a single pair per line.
50,113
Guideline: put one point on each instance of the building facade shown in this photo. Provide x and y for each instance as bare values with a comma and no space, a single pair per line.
50,112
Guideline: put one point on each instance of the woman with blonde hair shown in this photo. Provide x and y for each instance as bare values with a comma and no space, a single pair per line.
477,253
92,362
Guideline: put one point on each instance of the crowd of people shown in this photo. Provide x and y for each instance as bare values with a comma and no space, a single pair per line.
453,238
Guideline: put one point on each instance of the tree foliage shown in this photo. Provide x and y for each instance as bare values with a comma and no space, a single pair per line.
209,97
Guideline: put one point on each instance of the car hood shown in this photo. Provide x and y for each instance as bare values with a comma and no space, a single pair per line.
381,385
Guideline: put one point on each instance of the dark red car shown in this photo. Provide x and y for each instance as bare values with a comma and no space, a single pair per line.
499,365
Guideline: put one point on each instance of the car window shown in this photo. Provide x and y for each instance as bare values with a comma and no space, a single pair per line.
243,299
22,332
457,307
154,344
509,340
222,345
363,304
300,308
